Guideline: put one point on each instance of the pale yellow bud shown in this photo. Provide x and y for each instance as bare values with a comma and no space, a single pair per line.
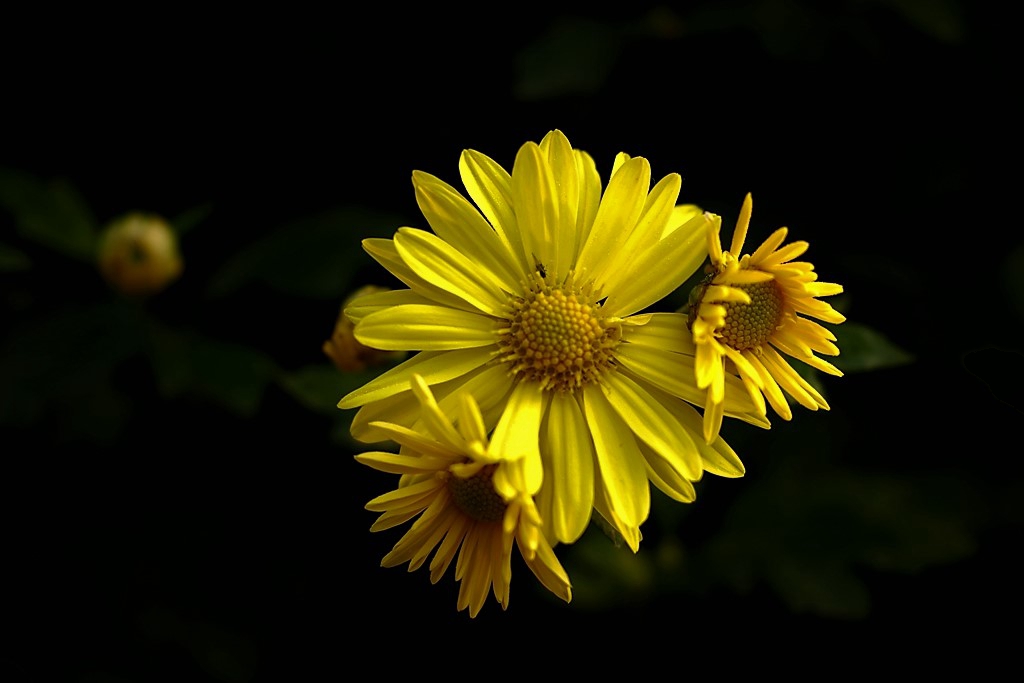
347,353
138,254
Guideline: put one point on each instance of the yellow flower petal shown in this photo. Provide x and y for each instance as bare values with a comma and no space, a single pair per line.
666,478
518,432
664,331
458,223
621,205
384,252
620,465
434,366
652,274
561,163
534,193
490,187
661,200
362,306
426,328
742,222
571,481
463,275
654,425
589,197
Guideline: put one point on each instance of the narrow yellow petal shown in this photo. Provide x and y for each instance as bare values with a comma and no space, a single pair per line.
621,205
434,366
570,456
683,214
717,457
435,422
589,198
415,327
667,479
400,409
413,492
548,570
461,225
518,431
651,274
384,252
675,374
823,288
653,424
561,163
768,246
490,187
714,238
440,264
535,196
489,387
661,200
720,293
739,235
362,306
620,464
771,389
664,331
786,253
793,384
712,423
471,421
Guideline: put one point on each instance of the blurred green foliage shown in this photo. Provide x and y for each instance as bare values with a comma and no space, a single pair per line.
62,360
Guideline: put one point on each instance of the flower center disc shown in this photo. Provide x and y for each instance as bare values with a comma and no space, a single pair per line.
556,338
476,496
750,325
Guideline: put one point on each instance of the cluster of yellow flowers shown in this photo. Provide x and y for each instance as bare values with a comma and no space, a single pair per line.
540,392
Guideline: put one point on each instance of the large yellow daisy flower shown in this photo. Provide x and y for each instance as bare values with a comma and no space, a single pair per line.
531,301
750,308
469,499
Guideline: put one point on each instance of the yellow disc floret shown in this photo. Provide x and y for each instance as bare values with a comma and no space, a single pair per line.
476,496
557,336
750,325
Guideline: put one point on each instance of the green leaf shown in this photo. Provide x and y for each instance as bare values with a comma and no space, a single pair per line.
12,259
52,214
230,374
314,257
862,349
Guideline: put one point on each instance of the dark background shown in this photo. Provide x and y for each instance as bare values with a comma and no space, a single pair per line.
194,541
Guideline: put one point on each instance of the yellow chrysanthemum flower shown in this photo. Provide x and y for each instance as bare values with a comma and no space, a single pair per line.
747,310
470,500
531,302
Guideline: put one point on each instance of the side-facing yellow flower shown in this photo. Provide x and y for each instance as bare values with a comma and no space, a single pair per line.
750,308
532,302
470,499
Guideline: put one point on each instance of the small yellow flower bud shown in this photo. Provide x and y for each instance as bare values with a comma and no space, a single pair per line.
348,354
138,254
